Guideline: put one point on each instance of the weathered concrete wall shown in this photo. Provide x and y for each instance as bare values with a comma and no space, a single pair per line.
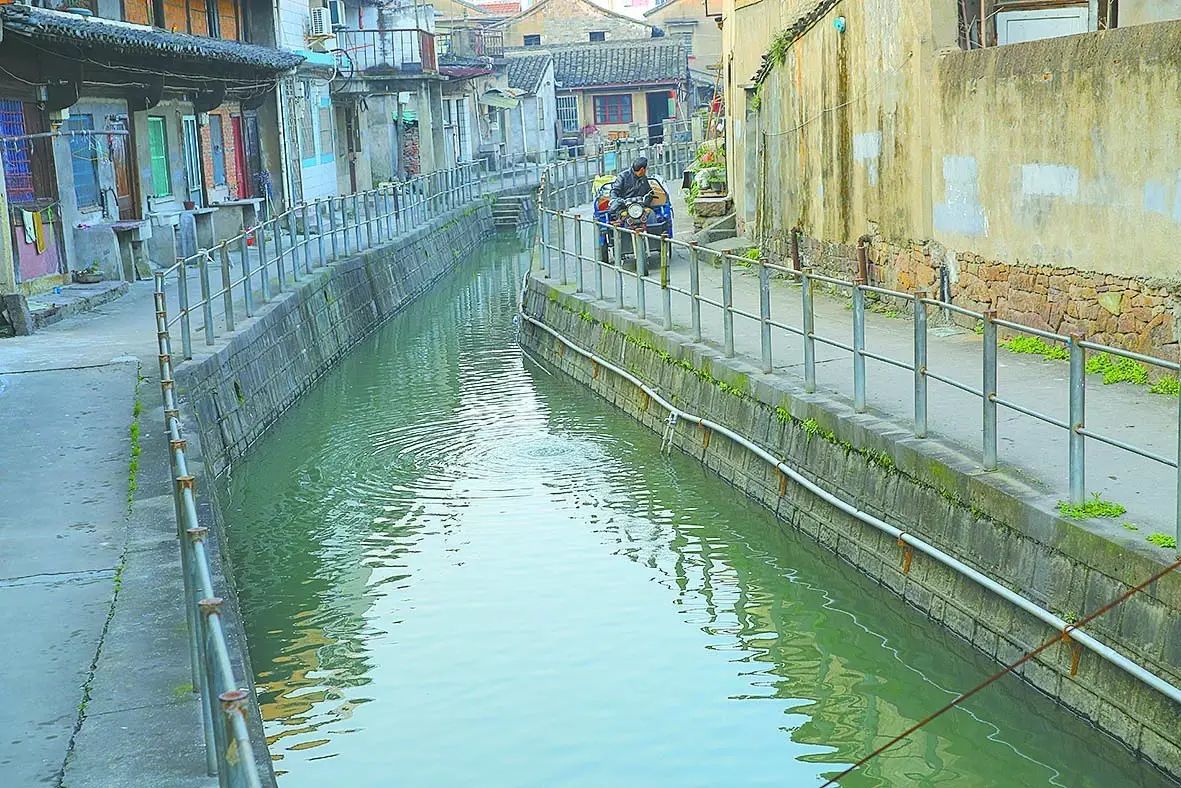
570,22
235,394
989,522
1018,168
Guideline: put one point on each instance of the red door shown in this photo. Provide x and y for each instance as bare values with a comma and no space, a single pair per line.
244,179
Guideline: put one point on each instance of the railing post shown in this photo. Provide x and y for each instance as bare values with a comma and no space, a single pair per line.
920,365
206,299
389,213
182,297
357,222
639,239
727,305
547,252
562,248
227,291
320,259
765,315
1078,418
988,389
618,262
260,242
809,327
601,250
666,293
858,344
247,283
579,276
294,245
368,221
695,290
307,241
344,225
332,228
277,224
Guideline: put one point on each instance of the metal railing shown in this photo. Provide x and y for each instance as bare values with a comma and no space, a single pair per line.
375,51
275,253
568,247
228,750
471,43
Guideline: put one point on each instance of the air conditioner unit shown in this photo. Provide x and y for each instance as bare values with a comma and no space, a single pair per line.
321,22
336,14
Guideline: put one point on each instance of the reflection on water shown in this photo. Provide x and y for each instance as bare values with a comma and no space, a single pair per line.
458,569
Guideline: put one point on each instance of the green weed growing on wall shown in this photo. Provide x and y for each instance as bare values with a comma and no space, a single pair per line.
1163,540
1095,506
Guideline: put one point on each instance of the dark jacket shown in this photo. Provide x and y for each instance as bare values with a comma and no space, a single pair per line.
628,184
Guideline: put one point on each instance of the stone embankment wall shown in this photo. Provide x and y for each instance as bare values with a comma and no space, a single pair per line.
235,394
988,521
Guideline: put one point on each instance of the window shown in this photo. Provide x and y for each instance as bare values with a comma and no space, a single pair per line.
533,41
598,35
307,141
84,160
158,152
326,147
687,39
613,109
217,150
568,112
214,20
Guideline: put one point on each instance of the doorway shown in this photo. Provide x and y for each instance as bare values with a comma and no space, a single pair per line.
122,151
192,153
240,166
658,111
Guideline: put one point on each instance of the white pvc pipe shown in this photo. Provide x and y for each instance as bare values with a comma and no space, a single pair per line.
1077,635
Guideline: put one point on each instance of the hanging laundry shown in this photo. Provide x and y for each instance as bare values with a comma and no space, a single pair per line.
30,230
40,232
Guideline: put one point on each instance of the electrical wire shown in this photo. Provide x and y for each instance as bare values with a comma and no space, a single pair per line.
1064,635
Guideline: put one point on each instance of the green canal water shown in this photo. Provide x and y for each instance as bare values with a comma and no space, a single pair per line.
457,569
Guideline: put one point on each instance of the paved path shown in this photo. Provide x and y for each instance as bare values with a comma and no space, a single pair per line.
1028,448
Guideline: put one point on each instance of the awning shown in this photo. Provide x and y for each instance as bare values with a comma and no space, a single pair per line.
496,99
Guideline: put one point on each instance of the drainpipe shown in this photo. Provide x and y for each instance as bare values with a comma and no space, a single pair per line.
795,248
862,259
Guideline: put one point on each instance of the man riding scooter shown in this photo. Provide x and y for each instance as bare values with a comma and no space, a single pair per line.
631,199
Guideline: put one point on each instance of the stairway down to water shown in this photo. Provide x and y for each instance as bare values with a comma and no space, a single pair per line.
512,210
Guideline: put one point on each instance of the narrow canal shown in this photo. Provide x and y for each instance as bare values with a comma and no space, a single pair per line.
457,569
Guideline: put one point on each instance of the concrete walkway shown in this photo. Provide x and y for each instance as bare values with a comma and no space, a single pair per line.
84,677
1030,449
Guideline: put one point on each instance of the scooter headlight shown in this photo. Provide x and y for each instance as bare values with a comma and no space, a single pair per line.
635,210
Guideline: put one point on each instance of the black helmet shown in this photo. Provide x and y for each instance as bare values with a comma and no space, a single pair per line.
639,164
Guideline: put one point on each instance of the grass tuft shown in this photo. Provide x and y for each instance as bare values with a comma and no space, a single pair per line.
1095,506
1163,540
1035,346
1117,369
1168,385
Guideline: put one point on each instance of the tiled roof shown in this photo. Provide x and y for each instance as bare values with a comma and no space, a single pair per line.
463,66
56,27
643,61
501,9
526,70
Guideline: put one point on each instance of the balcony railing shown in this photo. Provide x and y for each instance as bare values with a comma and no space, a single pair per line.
472,43
386,52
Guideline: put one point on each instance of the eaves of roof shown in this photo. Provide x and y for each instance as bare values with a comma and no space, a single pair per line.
47,27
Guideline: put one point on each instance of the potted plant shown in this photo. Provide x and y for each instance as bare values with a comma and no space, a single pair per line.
89,275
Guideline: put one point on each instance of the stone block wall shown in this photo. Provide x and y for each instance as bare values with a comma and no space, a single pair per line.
1134,313
235,394
990,522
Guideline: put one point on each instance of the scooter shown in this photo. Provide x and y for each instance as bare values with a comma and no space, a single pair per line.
632,214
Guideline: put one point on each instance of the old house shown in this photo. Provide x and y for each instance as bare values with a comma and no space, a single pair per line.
688,21
121,136
531,78
999,170
550,22
610,90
